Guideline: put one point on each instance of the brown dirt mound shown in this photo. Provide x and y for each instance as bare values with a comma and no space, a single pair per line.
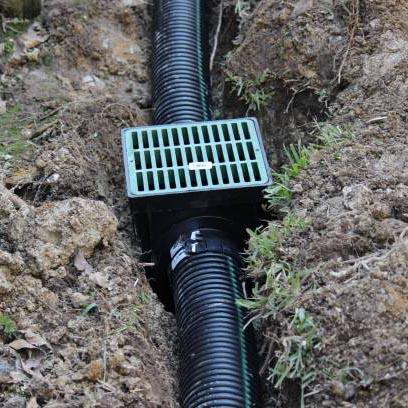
79,324
355,54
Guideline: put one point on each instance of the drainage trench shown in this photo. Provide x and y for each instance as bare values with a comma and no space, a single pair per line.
195,185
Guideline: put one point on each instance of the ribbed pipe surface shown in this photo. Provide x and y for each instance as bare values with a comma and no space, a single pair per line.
217,367
180,69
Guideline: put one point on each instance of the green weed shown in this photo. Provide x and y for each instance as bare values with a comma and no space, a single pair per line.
12,143
298,157
47,59
9,46
7,325
252,92
276,298
280,282
280,194
296,358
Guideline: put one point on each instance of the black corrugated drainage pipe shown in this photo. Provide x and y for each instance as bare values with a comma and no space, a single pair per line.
217,365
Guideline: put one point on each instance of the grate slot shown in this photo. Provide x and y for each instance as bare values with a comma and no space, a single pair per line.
257,175
142,160
158,158
145,139
206,175
216,133
218,176
175,137
184,138
172,179
246,153
245,172
196,138
169,159
139,178
150,180
155,138
225,133
176,182
182,177
148,159
236,156
225,155
135,141
197,175
251,150
206,134
165,138
163,161
138,162
236,132
224,174
245,129
160,176
154,166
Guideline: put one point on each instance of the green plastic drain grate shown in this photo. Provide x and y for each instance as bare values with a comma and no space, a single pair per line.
194,157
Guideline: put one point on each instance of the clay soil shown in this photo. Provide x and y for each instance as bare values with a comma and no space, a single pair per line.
342,63
84,328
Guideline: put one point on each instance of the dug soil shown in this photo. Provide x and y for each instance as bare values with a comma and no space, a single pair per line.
79,323
344,63
80,326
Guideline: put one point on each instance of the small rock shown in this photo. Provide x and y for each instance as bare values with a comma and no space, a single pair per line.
99,279
5,370
117,360
79,299
92,81
22,175
337,388
33,37
357,197
5,285
381,211
33,56
95,370
15,402
81,263
349,391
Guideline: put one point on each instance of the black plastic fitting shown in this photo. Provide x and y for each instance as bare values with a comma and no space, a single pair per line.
180,67
217,355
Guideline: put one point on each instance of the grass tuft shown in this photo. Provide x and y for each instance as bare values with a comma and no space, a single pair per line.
7,325
12,142
252,91
298,156
280,280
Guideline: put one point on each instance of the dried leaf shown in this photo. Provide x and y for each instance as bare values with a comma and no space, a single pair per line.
81,263
34,338
21,344
100,279
18,376
32,403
